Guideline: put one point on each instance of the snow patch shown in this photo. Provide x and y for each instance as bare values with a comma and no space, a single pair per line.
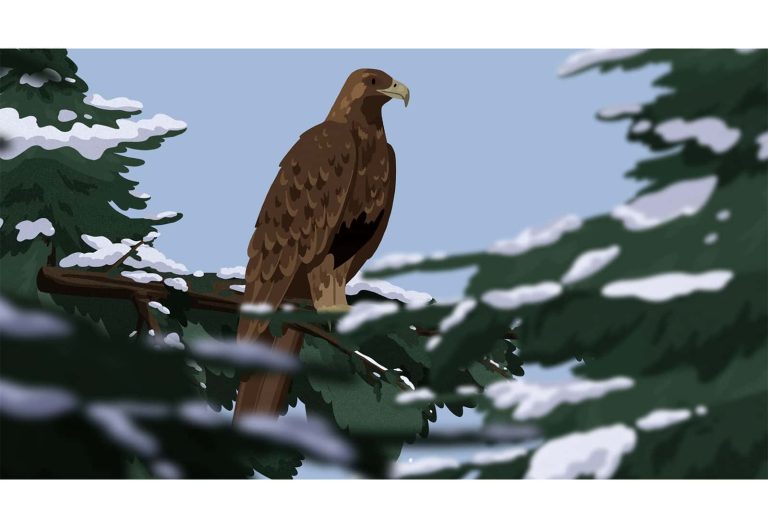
711,132
257,308
711,238
149,237
238,272
665,286
589,263
370,360
364,312
723,215
142,276
174,341
407,382
388,290
587,59
91,142
522,295
159,307
467,390
423,466
459,313
27,402
596,453
396,261
238,288
662,418
683,198
66,116
244,354
29,229
418,395
120,427
614,112
142,196
762,144
534,400
487,458
38,79
177,283
165,214
116,103
534,237
641,126
108,252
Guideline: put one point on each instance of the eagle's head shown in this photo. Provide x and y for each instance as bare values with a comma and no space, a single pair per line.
365,92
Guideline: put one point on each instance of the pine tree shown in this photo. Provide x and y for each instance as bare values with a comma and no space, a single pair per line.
64,165
662,302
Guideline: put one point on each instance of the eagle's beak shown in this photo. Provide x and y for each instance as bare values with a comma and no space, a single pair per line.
397,90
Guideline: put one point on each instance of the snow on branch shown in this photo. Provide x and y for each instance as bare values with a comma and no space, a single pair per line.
666,286
534,400
364,312
589,263
662,418
117,103
108,253
762,144
38,79
615,112
24,133
588,59
518,296
711,132
685,198
388,290
30,229
533,237
596,453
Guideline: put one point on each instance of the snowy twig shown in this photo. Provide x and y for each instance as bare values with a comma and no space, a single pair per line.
122,259
318,332
145,314
495,367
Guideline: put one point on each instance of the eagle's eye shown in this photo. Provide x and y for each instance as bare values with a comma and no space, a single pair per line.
373,81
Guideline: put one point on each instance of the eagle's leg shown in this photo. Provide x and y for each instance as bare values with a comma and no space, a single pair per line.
327,285
339,286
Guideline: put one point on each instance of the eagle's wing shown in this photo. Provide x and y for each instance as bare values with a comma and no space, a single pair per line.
299,217
370,247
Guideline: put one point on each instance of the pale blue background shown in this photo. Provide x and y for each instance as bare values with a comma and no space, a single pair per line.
492,141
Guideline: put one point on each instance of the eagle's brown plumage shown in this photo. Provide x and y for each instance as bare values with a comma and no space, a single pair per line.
323,217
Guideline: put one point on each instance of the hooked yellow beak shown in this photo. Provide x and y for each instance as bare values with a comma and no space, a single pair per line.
397,91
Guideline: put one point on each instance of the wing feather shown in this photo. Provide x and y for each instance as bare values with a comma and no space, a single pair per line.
300,214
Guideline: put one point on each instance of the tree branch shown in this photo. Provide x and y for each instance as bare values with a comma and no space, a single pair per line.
318,332
125,257
429,332
99,284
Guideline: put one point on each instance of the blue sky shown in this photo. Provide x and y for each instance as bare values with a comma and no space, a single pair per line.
492,141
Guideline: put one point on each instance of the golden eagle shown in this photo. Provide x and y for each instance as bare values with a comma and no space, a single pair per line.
323,217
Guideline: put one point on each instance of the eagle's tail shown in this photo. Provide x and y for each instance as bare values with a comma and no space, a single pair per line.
265,392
